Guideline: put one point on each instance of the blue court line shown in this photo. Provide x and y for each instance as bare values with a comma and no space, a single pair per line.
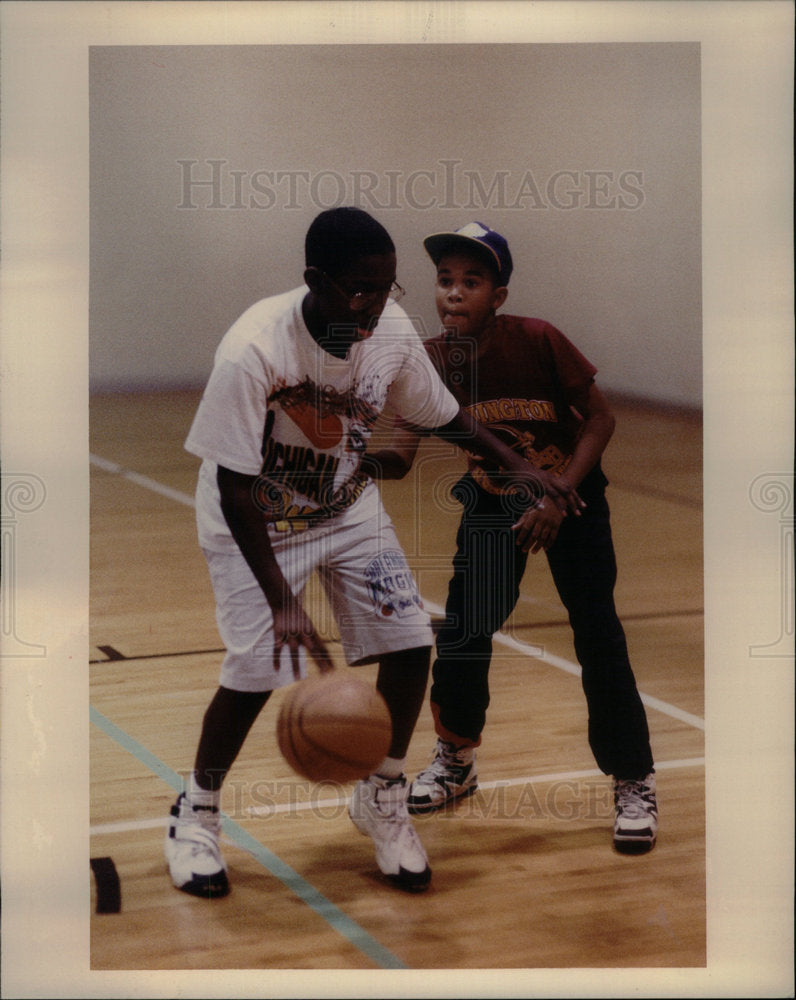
336,919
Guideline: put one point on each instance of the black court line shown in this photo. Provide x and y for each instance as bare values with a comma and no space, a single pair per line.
114,656
110,653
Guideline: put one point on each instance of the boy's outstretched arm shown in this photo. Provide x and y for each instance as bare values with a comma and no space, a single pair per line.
396,458
467,433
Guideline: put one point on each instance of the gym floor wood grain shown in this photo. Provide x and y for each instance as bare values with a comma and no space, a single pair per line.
525,876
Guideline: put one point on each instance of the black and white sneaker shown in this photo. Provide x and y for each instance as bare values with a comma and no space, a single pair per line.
192,850
378,809
450,776
636,808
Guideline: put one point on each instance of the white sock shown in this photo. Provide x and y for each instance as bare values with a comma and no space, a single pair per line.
199,796
391,767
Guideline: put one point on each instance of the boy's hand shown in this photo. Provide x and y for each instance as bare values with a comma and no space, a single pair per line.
537,528
561,492
293,628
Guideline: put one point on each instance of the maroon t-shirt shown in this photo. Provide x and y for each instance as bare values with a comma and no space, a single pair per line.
525,388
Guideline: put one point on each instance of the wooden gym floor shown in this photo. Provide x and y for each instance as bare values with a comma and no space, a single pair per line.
524,873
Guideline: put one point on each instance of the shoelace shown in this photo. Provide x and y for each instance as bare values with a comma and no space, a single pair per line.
202,825
388,803
631,798
201,838
399,827
444,763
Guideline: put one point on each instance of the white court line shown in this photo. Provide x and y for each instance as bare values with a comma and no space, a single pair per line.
342,800
139,480
536,652
506,640
536,779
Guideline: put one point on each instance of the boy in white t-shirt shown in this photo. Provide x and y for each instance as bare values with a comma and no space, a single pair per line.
284,490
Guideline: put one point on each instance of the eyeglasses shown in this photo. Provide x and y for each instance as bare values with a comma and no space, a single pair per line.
356,300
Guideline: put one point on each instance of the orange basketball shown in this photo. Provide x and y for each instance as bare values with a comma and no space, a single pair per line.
334,727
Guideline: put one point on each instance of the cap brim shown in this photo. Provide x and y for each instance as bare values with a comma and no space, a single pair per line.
438,244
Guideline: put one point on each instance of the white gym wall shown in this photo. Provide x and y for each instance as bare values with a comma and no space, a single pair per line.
209,162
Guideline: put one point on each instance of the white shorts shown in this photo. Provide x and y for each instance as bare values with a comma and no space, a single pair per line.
368,583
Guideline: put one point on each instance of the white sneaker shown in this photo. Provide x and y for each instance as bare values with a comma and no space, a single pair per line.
378,809
636,807
193,852
450,776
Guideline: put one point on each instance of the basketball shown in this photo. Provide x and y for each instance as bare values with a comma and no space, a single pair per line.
334,727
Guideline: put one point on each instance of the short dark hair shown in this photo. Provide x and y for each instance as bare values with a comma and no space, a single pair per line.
338,236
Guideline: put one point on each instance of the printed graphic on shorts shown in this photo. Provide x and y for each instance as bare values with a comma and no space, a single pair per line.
392,586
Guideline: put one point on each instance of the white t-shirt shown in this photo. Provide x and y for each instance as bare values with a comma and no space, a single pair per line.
280,407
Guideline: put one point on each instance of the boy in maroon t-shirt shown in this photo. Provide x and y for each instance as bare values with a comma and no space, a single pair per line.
530,386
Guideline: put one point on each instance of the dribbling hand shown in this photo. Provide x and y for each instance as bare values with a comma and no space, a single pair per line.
293,628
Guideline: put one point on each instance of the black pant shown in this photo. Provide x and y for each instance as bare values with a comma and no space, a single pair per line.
488,567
